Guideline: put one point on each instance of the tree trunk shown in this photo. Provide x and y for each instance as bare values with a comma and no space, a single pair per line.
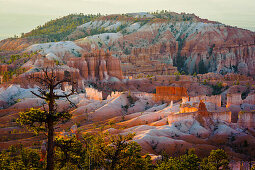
50,149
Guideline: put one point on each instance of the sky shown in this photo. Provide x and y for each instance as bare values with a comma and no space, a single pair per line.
21,16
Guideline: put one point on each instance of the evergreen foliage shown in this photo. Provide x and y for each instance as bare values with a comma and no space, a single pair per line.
18,61
59,29
69,153
104,151
45,120
218,159
187,161
113,152
171,16
18,157
218,88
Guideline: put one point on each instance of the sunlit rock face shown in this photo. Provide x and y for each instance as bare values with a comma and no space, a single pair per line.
236,99
147,63
223,49
195,106
93,94
97,65
168,94
246,119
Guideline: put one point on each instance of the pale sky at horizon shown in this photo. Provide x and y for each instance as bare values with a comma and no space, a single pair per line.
17,16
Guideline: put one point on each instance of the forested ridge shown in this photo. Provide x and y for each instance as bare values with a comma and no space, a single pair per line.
59,29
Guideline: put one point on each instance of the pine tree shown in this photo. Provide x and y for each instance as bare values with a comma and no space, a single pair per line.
218,159
44,120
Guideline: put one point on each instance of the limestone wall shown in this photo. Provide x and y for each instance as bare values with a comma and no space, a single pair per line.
97,65
113,95
246,119
188,109
223,116
181,116
250,99
143,95
216,99
93,94
167,93
234,99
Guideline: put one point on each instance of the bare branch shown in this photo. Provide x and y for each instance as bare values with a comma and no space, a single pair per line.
38,95
62,81
66,95
72,103
46,74
43,92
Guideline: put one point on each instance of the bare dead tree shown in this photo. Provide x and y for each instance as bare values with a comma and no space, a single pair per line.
47,82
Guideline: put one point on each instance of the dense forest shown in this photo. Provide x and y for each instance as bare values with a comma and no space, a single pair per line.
104,151
59,29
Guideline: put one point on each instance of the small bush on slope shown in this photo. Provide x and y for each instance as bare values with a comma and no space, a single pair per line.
18,157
